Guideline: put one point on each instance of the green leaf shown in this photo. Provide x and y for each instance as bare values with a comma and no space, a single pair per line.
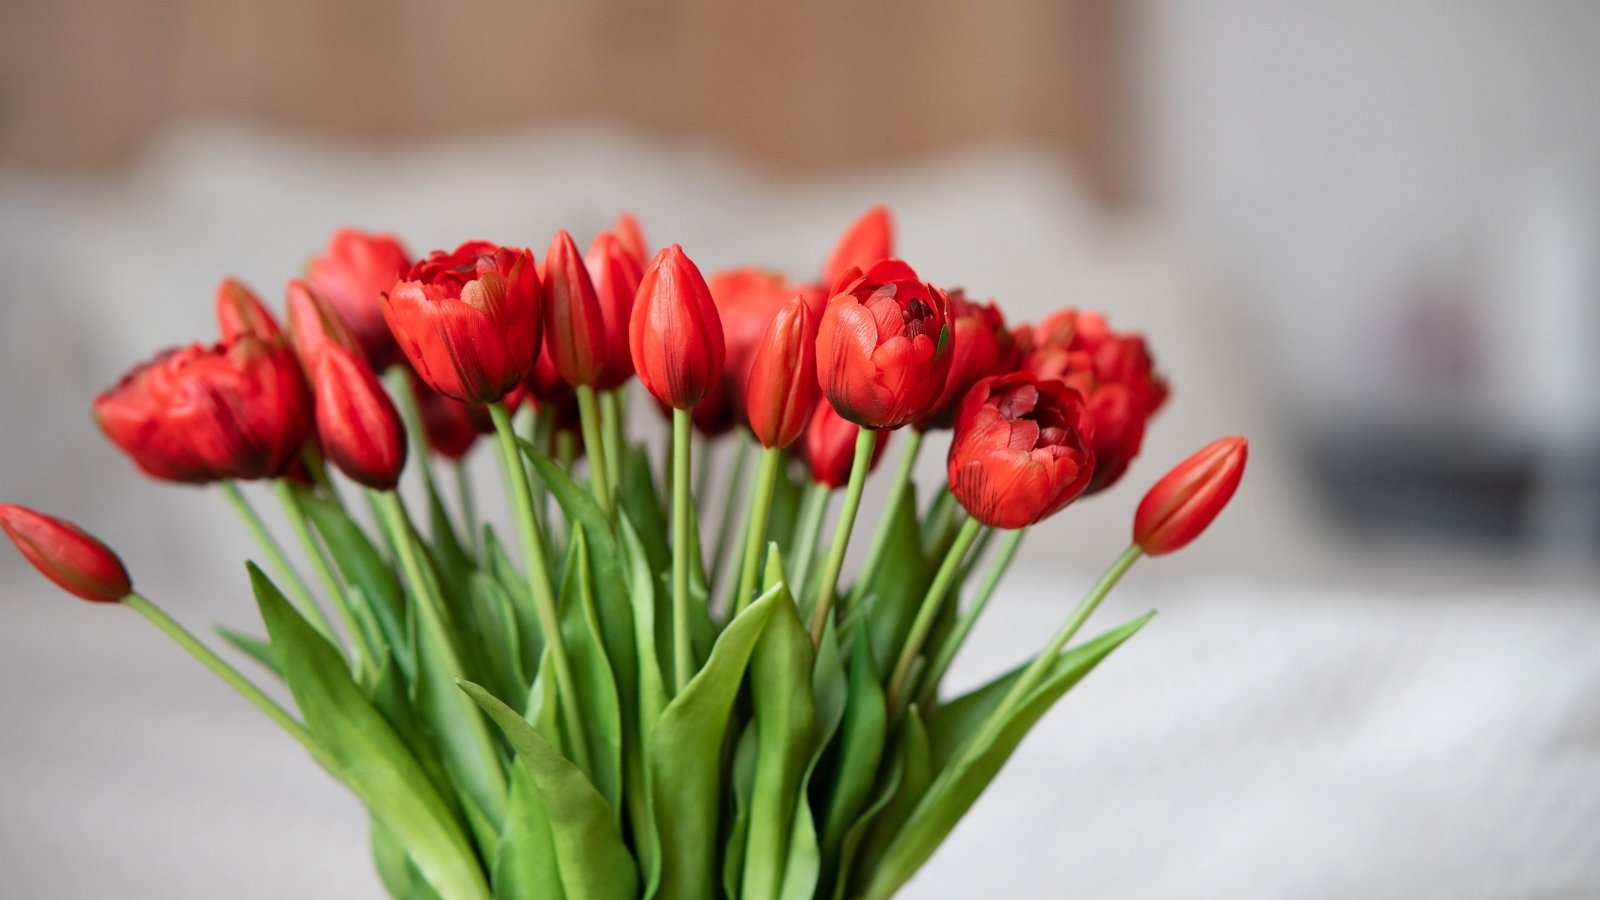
374,584
388,693
596,687
899,583
505,573
861,743
640,499
526,867
650,701
959,785
256,648
366,753
399,875
858,831
685,759
911,750
785,716
741,785
594,862
829,690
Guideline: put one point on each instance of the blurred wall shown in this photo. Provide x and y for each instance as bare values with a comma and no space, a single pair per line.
805,86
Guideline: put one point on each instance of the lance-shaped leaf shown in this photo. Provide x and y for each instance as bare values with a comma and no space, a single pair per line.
649,702
685,759
596,687
910,748
741,785
366,753
640,498
525,868
594,862
861,742
898,583
256,648
972,768
373,582
802,872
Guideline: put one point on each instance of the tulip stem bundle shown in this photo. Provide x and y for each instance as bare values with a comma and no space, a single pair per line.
296,515
298,590
828,586
898,484
952,643
943,581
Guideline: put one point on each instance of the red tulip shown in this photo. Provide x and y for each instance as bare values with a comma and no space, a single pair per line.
980,346
829,446
353,272
450,426
867,240
615,273
198,414
746,300
883,347
469,320
360,429
675,336
314,322
1021,450
574,326
239,311
1186,500
626,228
782,388
66,554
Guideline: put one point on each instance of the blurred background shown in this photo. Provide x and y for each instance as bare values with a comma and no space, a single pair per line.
1365,235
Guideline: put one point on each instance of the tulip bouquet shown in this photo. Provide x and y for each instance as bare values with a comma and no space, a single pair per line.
637,695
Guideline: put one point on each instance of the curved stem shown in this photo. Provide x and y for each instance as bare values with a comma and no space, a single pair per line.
813,511
319,561
755,537
951,645
594,447
682,646
294,586
928,611
538,575
897,490
827,588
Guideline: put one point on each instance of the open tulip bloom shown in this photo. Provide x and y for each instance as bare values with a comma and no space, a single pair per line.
632,694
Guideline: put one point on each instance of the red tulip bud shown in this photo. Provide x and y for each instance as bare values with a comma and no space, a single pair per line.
198,414
615,273
829,446
626,228
782,388
314,322
867,240
675,336
574,326
66,554
360,429
883,347
239,312
1021,450
354,272
1185,501
469,320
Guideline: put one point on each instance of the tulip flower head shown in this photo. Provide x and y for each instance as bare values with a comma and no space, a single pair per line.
358,425
66,554
615,272
782,388
829,446
198,414
469,320
239,312
314,322
867,240
1022,450
980,346
353,273
628,233
574,325
883,347
675,335
1188,499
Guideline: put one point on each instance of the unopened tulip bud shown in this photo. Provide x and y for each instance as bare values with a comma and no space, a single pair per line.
615,272
829,446
354,271
66,554
358,425
627,230
867,240
675,336
239,311
1185,501
314,322
574,325
782,388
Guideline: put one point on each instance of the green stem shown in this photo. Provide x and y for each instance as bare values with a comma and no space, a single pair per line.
611,432
405,392
594,447
827,588
538,574
469,509
813,511
682,647
953,642
311,456
294,585
730,506
233,677
931,603
897,490
936,524
324,568
755,537
702,470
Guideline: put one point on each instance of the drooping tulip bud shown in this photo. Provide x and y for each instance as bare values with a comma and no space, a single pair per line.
627,230
829,446
1021,450
615,273
66,554
450,426
315,322
198,414
353,272
469,320
980,346
782,388
883,347
1187,499
675,336
867,240
358,425
574,326
239,311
